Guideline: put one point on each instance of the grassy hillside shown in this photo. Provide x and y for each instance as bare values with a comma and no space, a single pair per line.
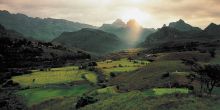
148,77
139,101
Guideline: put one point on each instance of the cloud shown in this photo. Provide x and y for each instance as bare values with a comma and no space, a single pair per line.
96,12
197,12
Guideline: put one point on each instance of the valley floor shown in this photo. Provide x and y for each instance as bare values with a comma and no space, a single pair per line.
128,84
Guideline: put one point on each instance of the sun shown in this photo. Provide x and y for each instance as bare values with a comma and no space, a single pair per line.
140,16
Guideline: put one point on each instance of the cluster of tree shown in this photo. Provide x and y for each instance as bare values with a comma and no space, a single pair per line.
207,75
85,100
88,66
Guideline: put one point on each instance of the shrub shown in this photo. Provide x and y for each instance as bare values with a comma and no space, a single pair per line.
113,74
92,64
120,65
135,62
166,75
86,100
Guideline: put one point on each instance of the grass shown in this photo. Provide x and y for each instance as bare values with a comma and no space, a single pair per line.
122,65
54,76
120,69
216,91
38,95
91,77
215,60
164,91
107,90
149,76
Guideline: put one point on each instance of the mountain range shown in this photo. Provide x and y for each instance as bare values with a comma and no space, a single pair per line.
104,39
130,32
40,29
182,31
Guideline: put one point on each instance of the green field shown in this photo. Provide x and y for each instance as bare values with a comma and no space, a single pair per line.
38,95
54,76
122,65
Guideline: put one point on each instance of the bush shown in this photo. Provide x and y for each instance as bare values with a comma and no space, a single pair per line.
86,100
135,62
92,64
91,69
166,75
113,74
120,65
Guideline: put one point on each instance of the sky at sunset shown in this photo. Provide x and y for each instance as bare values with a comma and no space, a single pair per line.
149,13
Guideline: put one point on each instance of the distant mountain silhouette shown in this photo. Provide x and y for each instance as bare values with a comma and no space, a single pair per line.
182,32
212,30
166,34
183,26
92,40
119,23
123,31
41,29
9,33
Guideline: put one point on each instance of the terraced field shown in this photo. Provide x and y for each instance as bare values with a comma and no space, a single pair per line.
49,84
122,65
39,95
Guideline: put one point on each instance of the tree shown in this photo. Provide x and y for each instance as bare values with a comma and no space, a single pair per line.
208,75
213,73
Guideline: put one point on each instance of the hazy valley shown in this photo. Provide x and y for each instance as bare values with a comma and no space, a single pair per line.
56,64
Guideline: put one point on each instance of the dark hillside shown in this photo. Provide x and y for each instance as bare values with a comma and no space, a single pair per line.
92,40
18,54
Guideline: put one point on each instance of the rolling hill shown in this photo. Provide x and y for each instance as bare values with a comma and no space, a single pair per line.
92,40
